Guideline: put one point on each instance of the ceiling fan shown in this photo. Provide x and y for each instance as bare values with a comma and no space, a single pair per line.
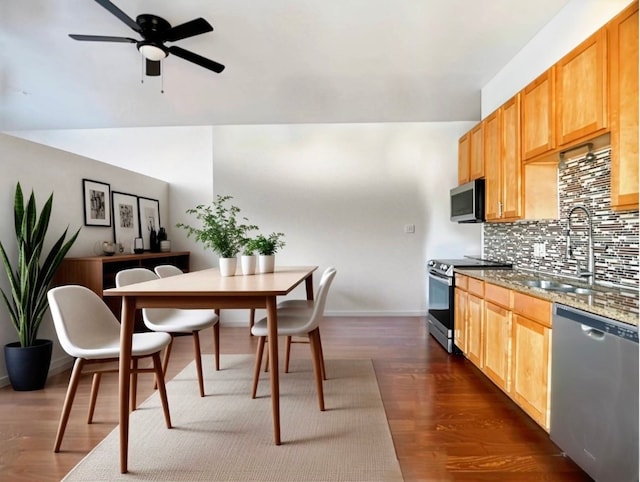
155,31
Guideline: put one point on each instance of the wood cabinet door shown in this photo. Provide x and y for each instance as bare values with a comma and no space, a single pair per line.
475,322
511,165
623,95
492,167
581,90
531,368
464,146
538,116
460,320
497,345
476,157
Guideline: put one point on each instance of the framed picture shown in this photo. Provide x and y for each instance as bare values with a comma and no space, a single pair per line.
126,222
149,218
97,203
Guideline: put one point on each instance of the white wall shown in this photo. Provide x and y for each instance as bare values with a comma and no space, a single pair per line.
342,193
575,22
45,170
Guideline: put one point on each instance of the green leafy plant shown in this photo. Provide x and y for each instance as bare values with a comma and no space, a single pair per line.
222,230
249,246
269,245
30,279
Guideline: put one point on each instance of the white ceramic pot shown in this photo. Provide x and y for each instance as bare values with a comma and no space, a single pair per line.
228,266
248,264
266,263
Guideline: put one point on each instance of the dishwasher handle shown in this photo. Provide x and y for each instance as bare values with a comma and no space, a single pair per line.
592,332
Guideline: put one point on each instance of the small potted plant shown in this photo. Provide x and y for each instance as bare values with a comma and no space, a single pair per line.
222,231
28,359
267,247
248,258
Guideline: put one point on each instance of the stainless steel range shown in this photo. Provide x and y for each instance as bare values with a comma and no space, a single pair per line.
441,295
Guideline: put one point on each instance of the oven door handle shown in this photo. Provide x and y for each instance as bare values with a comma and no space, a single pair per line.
440,277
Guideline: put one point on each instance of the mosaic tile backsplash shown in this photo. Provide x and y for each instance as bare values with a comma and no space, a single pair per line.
615,235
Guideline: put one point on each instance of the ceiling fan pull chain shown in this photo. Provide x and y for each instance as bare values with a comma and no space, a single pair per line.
162,77
141,69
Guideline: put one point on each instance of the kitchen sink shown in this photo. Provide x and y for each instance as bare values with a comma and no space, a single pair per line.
557,286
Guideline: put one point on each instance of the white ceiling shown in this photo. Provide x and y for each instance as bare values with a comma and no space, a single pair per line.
287,61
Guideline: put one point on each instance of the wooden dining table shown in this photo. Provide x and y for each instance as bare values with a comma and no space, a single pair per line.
206,289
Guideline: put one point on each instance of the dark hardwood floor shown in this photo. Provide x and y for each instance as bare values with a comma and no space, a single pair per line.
449,423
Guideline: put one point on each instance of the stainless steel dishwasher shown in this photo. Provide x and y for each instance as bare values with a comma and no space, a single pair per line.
594,393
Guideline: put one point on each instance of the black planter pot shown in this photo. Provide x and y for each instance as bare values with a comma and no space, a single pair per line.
28,367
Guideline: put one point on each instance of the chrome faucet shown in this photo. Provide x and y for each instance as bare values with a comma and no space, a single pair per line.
590,273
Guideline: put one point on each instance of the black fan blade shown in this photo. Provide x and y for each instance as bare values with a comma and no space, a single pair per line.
120,14
188,29
196,59
152,67
101,38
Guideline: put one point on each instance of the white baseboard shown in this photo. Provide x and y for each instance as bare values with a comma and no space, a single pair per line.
243,321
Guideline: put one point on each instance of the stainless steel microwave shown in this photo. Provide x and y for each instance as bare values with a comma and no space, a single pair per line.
467,202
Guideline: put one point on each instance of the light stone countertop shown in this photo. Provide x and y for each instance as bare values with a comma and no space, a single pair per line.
615,303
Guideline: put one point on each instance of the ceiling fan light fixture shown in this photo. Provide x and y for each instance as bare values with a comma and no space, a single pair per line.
152,51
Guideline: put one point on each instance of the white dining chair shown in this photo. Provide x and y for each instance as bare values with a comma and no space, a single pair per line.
301,323
298,306
89,331
174,321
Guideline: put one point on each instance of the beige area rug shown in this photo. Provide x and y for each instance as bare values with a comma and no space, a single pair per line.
228,436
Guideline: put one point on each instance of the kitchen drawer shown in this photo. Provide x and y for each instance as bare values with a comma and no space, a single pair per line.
475,286
461,281
497,295
532,308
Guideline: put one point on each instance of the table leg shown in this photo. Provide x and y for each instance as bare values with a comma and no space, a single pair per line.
126,335
308,283
272,329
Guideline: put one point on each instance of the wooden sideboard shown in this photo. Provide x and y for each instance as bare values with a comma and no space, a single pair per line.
99,272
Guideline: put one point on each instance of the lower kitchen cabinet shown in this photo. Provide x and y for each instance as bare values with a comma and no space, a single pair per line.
460,323
497,344
507,335
475,320
531,368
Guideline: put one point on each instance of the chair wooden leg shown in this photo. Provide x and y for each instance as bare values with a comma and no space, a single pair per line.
324,370
165,360
252,319
162,390
216,344
258,364
68,402
266,361
317,366
287,353
95,386
198,359
134,385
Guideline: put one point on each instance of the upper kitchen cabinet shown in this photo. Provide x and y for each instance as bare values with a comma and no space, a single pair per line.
463,158
503,168
471,155
511,165
623,97
492,167
581,91
476,159
538,116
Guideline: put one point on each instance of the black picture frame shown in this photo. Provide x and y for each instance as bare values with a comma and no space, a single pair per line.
149,210
126,220
97,203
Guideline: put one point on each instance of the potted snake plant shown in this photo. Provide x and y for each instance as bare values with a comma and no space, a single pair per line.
28,359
